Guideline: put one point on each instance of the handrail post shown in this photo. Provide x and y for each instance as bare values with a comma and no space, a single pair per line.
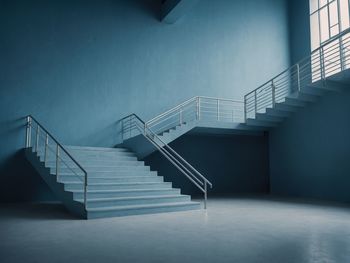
273,89
123,130
198,108
57,160
245,108
85,190
28,132
255,104
205,195
37,138
180,116
46,145
298,76
218,109
323,71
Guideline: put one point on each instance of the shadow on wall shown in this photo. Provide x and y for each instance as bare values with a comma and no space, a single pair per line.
23,183
235,164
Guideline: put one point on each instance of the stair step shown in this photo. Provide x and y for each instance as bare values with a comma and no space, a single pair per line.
95,149
254,122
269,118
139,200
111,179
69,186
114,173
294,102
52,158
277,113
284,107
141,209
313,91
64,169
89,155
124,193
96,164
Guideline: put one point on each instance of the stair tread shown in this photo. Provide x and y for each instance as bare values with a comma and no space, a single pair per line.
110,184
91,148
130,207
124,190
131,198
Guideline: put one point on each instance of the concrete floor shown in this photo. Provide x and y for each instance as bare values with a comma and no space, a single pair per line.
234,229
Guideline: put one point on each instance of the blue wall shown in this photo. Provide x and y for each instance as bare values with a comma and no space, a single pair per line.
309,153
234,164
79,66
299,29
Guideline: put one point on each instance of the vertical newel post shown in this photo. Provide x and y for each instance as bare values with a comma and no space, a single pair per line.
85,190
255,104
122,130
180,116
205,195
46,153
28,132
198,108
57,160
323,70
245,108
37,137
298,77
218,109
273,89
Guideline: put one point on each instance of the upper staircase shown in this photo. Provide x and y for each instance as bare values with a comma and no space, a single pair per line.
327,69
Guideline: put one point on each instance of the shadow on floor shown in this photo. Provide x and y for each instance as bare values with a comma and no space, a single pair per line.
48,211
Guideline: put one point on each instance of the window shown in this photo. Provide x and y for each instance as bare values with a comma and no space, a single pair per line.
328,18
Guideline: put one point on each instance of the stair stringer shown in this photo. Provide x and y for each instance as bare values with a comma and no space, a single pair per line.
66,197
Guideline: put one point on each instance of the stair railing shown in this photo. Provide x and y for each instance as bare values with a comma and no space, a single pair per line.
198,108
38,138
330,58
133,125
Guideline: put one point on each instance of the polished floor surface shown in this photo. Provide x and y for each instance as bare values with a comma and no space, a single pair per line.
233,229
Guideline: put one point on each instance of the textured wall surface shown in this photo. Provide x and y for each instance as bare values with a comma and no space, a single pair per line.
79,66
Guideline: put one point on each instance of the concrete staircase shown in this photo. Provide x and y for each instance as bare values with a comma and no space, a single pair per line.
118,184
256,124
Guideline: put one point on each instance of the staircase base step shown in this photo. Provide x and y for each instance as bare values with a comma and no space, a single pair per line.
141,209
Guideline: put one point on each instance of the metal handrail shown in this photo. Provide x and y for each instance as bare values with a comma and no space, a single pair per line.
197,105
59,148
179,162
312,68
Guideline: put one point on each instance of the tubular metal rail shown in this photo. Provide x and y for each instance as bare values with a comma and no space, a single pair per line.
330,58
46,144
198,108
133,125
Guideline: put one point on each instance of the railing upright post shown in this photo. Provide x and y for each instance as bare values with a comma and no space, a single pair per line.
245,108
123,130
218,109
37,138
46,146
85,190
198,108
57,160
273,89
28,132
298,77
255,103
180,116
205,195
323,71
